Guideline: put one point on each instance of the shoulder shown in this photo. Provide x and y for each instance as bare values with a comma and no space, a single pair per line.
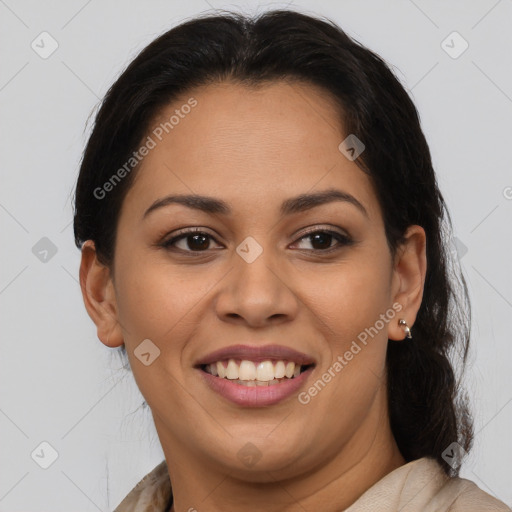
465,495
151,494
423,485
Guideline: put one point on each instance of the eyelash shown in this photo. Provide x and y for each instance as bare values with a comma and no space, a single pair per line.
343,241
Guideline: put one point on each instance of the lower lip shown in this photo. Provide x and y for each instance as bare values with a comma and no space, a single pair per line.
255,396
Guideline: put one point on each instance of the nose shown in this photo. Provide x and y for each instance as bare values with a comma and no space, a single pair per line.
257,293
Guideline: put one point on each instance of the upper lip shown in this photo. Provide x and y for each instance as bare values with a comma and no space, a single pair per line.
257,353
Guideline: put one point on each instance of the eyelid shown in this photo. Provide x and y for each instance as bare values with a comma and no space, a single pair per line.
191,231
322,228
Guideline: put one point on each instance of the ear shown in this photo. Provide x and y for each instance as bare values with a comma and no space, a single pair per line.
408,281
99,296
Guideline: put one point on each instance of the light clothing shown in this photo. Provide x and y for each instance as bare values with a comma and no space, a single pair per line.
420,485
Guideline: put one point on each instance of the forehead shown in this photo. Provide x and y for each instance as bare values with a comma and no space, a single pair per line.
252,144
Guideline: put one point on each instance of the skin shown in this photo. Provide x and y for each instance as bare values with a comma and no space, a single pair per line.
254,148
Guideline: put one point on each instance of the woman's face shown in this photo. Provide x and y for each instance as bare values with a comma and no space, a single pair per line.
271,267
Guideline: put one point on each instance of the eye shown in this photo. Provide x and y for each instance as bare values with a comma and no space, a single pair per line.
196,240
322,240
193,240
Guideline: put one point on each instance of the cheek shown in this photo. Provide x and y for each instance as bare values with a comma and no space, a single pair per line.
349,316
156,302
357,311
348,299
160,301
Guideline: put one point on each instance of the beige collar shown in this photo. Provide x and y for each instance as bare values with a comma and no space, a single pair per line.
420,485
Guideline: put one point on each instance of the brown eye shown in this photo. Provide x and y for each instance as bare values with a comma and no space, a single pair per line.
197,242
191,241
322,240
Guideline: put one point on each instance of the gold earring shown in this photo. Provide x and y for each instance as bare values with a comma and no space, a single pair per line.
403,323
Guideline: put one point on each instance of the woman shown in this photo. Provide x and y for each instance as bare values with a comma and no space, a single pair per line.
262,233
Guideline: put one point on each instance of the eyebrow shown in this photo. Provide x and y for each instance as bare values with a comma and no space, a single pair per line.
300,203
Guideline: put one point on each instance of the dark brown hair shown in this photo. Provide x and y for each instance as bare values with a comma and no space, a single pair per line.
427,411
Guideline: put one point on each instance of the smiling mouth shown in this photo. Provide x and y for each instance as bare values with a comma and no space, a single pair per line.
255,373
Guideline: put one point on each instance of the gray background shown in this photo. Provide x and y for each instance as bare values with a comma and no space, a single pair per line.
58,383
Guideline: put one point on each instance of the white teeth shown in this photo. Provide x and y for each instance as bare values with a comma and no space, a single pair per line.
247,371
265,371
279,370
232,370
255,374
220,369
